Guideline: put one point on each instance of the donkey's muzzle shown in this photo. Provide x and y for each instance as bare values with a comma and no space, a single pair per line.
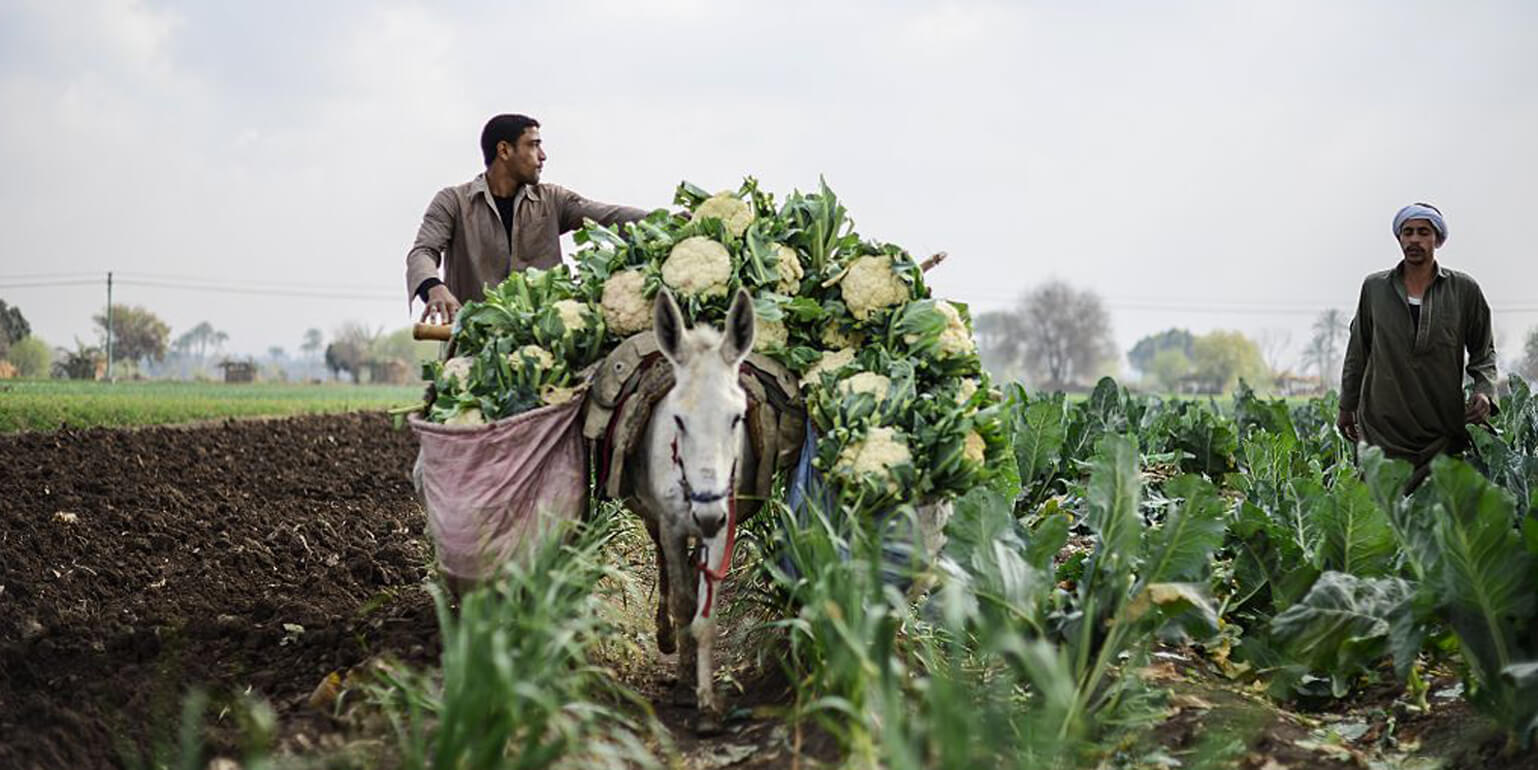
709,522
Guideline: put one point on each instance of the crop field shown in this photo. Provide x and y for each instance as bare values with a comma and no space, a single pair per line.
49,404
1154,583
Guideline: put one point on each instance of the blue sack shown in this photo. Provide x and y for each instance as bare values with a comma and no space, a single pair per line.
899,531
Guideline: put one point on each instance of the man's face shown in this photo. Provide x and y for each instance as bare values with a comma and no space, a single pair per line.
526,158
1418,241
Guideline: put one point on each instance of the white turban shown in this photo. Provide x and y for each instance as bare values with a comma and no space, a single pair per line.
1424,211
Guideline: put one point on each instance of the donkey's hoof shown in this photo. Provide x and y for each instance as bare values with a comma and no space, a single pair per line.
707,724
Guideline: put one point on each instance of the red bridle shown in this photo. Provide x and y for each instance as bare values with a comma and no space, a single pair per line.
712,576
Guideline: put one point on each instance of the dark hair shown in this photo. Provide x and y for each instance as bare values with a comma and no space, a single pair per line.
503,128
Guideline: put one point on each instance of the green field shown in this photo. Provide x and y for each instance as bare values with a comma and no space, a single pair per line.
51,404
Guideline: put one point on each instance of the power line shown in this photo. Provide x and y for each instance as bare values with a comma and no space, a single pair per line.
224,281
314,292
227,289
40,284
33,276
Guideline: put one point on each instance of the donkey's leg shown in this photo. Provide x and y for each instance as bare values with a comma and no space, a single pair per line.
704,634
703,629
681,608
665,641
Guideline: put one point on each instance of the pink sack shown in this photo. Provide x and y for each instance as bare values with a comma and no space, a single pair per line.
491,491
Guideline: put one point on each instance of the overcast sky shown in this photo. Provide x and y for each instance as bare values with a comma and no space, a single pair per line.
1207,165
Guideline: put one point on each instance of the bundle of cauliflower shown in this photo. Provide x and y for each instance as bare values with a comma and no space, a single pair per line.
896,393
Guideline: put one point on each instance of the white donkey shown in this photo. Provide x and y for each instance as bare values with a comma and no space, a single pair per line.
694,446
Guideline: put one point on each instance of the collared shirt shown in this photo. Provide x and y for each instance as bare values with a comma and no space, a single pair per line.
1403,374
463,232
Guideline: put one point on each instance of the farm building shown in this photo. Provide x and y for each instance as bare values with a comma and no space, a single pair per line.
238,371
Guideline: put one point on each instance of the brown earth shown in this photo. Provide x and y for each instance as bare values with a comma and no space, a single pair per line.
137,563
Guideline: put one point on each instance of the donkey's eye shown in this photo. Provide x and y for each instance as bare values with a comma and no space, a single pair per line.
680,422
736,420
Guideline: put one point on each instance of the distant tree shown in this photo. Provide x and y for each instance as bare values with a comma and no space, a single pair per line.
1141,356
999,341
136,333
1168,368
312,343
82,363
1528,367
1322,356
1225,357
399,344
351,346
1273,343
13,326
345,356
199,340
276,352
30,356
1065,333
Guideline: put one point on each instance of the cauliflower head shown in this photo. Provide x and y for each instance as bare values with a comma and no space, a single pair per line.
829,362
769,335
458,368
573,314
956,339
470,416
973,448
791,272
870,285
876,455
835,338
967,390
534,352
699,266
866,382
733,212
624,304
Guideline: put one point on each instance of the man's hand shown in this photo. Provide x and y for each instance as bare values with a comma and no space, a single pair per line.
1478,409
1346,422
441,306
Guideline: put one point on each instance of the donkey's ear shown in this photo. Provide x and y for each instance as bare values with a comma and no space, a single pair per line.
668,324
738,339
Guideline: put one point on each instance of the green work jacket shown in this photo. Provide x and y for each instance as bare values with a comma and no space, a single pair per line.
1404,379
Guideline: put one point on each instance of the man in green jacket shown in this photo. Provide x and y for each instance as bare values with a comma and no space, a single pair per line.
1402,384
504,219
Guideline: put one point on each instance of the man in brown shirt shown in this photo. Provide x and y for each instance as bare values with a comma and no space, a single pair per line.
1402,383
502,220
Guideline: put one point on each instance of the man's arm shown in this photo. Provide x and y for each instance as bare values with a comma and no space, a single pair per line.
1480,342
574,209
1358,347
432,239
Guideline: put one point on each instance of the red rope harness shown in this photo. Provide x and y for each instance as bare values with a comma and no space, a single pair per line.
712,576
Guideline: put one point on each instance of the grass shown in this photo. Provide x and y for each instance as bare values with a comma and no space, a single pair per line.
52,404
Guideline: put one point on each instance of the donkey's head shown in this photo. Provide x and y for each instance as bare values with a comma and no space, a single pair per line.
706,408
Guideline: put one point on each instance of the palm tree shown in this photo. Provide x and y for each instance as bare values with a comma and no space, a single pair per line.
1331,330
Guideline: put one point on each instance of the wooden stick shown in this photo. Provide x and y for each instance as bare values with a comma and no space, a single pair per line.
439,332
932,261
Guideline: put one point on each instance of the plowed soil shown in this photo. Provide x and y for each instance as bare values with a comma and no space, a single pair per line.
246,555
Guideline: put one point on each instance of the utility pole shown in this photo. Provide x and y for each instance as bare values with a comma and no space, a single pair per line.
109,326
